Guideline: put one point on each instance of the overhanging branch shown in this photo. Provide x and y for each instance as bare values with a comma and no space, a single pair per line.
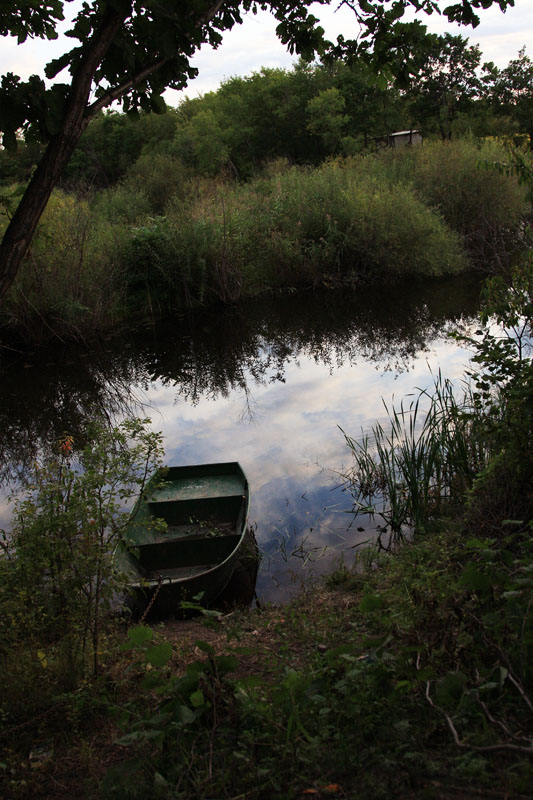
118,91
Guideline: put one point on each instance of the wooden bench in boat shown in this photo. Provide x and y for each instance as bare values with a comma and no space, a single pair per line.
168,555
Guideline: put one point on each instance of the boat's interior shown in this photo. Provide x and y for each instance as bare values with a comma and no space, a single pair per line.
199,535
188,522
190,551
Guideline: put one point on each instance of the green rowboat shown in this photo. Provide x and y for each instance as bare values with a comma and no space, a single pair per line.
204,510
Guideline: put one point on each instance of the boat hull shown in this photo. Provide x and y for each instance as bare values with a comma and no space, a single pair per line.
186,534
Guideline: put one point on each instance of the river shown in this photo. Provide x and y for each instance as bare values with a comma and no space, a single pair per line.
269,383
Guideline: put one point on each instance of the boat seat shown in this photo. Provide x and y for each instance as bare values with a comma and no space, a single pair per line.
186,551
194,510
198,488
192,530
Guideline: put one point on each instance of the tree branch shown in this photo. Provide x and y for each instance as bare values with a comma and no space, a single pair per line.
20,230
122,88
453,730
118,91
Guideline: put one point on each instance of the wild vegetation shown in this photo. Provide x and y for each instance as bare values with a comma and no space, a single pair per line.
58,577
148,246
412,671
276,180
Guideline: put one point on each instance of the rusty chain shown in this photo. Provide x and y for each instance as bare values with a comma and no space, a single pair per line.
152,601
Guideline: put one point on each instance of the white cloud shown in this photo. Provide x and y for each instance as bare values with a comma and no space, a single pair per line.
297,421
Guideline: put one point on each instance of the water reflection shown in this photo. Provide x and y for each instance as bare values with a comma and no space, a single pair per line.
266,383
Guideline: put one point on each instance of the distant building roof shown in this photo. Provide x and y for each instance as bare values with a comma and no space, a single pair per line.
404,133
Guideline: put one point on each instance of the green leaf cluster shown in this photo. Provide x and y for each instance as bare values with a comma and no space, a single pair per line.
59,579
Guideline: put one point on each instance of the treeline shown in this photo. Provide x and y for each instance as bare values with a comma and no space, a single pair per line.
305,115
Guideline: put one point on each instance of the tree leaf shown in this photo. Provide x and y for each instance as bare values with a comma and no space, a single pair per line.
197,699
159,655
474,578
226,663
450,688
140,635
205,647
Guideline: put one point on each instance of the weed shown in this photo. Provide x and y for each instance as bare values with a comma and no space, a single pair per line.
160,241
59,579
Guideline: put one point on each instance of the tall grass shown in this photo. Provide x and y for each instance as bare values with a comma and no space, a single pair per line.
161,240
456,179
71,283
300,227
426,457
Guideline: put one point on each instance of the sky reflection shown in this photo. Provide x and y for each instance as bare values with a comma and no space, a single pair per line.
269,384
293,452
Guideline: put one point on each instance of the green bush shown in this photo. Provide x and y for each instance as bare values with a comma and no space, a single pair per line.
71,281
159,241
58,578
305,226
159,177
457,180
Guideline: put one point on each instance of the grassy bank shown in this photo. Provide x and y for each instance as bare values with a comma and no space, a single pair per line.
161,241
400,681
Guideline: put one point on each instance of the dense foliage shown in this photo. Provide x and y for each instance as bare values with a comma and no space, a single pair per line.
171,211
305,114
130,52
160,241
426,675
58,576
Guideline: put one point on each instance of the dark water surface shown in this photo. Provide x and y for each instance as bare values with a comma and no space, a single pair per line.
267,383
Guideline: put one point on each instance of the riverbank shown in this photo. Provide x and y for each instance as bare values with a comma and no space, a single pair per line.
383,683
158,243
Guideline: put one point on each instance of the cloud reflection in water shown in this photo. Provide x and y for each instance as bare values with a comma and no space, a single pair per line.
266,383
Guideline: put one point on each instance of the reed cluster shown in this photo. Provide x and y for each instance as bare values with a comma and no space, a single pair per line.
452,448
421,462
162,240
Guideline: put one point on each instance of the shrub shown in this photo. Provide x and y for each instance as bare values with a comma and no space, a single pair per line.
158,242
70,282
456,179
56,565
159,177
299,227
123,205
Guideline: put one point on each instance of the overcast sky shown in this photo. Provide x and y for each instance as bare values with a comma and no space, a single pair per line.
254,44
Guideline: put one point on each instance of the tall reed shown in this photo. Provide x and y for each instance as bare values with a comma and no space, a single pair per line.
71,282
483,205
426,457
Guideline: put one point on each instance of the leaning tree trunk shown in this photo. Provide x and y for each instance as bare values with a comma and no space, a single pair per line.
19,233
20,230
78,113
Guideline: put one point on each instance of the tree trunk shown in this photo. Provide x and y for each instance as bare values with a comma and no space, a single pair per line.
20,230
78,113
